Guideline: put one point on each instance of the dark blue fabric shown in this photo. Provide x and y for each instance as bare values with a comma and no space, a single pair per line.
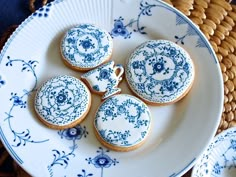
13,12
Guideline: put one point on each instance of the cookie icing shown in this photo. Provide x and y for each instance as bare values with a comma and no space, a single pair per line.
105,79
86,46
160,71
62,100
123,121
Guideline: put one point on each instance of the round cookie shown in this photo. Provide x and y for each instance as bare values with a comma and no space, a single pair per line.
160,72
122,122
85,47
62,102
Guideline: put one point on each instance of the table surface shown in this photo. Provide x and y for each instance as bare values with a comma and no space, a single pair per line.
13,13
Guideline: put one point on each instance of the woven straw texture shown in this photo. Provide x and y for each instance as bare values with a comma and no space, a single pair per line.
217,20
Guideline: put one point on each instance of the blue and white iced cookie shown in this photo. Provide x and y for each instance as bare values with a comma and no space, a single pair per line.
122,122
160,72
104,79
62,102
85,47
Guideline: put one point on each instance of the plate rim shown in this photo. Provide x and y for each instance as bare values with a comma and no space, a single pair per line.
214,144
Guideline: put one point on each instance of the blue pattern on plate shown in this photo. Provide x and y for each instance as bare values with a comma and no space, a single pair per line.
43,11
9,147
190,31
2,81
122,29
46,9
62,158
102,160
19,100
84,174
226,160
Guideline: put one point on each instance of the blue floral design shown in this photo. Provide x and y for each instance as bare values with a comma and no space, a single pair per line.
86,46
217,168
120,29
75,133
225,161
104,74
88,58
113,137
61,97
164,61
43,11
86,43
17,101
158,65
119,108
2,82
84,174
136,65
102,160
233,144
180,39
23,137
71,134
62,100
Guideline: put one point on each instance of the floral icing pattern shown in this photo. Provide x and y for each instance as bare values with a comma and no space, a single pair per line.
123,121
62,100
86,46
105,79
159,71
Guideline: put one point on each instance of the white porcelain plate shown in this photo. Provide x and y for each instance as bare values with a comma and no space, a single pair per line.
219,160
180,132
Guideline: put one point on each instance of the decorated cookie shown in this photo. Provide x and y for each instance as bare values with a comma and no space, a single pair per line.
104,79
160,72
85,47
62,102
122,122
